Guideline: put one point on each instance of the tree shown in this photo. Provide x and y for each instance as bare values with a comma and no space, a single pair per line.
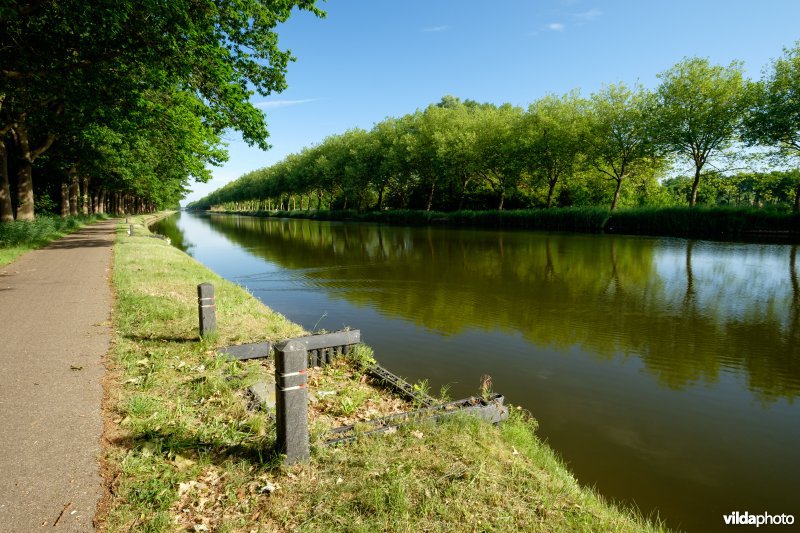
616,140
697,110
774,119
56,55
550,134
457,145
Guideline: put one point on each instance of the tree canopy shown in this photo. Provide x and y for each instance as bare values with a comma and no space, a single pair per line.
132,95
617,147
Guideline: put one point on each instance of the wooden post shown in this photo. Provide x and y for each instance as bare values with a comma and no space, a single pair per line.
206,309
291,401
130,231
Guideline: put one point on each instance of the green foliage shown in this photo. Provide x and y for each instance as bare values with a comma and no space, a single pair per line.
617,142
41,231
613,149
135,95
775,115
697,111
716,222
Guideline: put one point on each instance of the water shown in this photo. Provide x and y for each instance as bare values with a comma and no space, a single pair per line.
665,372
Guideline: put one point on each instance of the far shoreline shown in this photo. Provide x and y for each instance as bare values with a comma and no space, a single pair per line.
751,225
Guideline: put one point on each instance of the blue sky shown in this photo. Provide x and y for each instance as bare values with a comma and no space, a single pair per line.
370,59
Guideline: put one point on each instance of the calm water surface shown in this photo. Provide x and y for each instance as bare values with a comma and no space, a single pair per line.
665,372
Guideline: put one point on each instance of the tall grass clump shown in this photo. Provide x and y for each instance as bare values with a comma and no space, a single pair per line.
20,236
714,222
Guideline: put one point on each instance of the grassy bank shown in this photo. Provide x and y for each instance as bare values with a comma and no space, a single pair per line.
184,451
19,237
706,222
714,222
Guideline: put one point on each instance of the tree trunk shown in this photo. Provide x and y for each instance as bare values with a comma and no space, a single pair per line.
6,210
463,195
550,192
380,197
797,199
74,191
27,156
85,194
25,191
695,184
616,195
64,212
430,197
502,200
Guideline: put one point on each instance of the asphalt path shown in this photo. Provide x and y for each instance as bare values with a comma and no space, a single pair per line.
55,308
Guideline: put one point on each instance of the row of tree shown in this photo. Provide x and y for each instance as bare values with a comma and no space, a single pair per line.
116,106
612,147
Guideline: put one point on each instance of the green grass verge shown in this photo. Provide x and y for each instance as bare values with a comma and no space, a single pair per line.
708,222
19,237
185,453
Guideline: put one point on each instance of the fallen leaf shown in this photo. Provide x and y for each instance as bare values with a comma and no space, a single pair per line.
182,462
515,452
417,434
390,430
148,448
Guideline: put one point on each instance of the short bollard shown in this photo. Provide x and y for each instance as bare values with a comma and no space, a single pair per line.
291,401
206,309
130,231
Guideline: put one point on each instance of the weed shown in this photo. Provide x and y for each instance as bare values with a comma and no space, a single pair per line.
21,236
486,386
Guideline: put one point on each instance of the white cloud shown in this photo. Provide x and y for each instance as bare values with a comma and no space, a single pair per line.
556,26
272,104
589,15
436,29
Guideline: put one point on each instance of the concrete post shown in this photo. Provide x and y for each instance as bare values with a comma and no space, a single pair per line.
130,231
206,309
291,401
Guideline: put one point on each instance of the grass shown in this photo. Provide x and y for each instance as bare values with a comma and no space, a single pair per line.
709,222
19,237
184,452
714,222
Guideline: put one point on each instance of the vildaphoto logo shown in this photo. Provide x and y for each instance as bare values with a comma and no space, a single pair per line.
765,519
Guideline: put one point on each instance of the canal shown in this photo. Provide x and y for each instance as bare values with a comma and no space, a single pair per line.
665,372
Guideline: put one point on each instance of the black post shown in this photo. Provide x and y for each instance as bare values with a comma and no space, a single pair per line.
206,309
291,400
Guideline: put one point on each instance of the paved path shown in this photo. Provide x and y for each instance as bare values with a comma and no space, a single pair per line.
55,306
